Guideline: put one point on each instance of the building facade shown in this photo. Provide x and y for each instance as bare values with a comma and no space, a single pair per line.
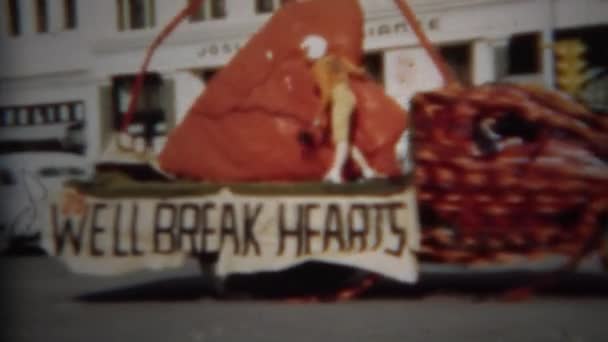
67,66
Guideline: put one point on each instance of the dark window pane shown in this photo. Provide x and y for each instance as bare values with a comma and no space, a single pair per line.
374,65
458,58
14,18
524,54
42,19
69,14
264,6
120,15
218,8
208,74
137,14
6,178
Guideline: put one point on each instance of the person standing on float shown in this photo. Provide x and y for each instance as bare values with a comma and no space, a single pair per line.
332,73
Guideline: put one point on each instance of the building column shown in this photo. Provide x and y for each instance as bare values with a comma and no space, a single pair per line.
55,15
501,57
547,40
240,8
484,62
548,59
100,116
27,13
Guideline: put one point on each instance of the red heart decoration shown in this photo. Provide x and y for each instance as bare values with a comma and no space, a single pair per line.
254,121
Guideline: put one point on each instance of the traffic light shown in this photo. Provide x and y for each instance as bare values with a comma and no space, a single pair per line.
570,65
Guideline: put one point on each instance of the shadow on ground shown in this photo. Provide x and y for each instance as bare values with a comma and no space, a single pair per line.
323,281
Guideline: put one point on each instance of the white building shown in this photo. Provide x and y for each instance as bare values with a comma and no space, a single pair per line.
66,65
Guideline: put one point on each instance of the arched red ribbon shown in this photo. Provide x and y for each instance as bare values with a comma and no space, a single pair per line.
191,8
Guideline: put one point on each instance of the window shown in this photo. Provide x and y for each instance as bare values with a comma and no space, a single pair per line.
374,65
51,114
29,134
78,110
40,114
208,74
524,54
267,6
38,119
458,57
23,116
135,14
149,102
210,9
42,17
14,18
69,14
64,112
264,6
7,117
148,98
154,102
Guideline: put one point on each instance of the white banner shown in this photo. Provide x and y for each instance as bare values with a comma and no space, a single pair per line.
250,233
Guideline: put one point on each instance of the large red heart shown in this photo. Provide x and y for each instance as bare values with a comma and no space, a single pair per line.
249,123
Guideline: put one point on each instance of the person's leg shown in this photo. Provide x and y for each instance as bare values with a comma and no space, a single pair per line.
343,103
366,169
334,174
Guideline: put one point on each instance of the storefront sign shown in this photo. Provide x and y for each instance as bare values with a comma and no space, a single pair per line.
399,26
384,28
219,49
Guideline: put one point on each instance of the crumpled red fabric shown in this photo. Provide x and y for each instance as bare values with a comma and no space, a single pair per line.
254,121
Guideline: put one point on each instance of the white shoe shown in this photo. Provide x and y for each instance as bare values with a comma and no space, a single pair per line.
333,176
369,173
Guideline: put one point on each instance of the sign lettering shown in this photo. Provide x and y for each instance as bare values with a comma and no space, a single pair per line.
256,231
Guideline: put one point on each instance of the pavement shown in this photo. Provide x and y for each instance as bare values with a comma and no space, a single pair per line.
43,301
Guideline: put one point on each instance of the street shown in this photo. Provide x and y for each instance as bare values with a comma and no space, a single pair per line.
43,301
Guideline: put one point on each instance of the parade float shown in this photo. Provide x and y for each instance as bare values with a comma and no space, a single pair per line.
293,154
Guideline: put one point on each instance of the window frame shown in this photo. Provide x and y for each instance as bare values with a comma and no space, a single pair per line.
210,10
126,15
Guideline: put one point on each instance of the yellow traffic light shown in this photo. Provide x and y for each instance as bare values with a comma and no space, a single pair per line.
570,65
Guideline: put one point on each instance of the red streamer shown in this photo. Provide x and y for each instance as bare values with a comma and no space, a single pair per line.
410,17
191,8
